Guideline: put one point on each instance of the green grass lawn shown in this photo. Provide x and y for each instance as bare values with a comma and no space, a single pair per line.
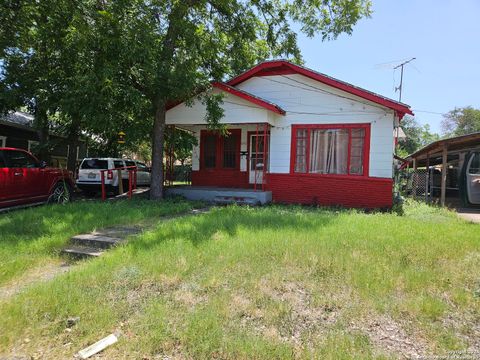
33,237
239,282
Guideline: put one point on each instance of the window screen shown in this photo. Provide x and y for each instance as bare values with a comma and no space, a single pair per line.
230,152
209,151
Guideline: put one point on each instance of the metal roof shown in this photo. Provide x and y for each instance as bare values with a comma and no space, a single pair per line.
19,118
463,142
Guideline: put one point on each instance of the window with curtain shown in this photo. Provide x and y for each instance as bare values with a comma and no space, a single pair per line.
329,150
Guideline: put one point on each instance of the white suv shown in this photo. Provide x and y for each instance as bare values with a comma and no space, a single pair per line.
89,174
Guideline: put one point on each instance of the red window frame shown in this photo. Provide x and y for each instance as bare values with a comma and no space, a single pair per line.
219,149
309,127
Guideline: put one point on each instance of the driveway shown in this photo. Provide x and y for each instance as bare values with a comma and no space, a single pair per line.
472,215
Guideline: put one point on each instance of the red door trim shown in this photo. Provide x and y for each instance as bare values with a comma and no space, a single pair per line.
219,146
249,133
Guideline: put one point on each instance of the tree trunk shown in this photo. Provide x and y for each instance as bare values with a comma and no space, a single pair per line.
41,125
73,143
156,185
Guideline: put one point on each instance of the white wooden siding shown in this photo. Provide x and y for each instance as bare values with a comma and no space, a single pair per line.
305,101
236,110
308,101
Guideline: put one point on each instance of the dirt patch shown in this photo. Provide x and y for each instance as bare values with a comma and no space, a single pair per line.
188,298
467,328
41,273
297,321
389,337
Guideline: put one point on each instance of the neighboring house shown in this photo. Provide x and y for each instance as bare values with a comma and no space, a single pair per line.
323,141
16,131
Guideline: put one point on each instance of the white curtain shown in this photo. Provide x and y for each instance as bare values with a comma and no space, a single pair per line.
318,151
329,151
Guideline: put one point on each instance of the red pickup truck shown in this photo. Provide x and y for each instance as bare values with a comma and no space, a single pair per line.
25,180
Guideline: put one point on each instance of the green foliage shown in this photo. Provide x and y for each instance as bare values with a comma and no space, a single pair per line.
32,236
116,65
168,50
461,121
180,142
417,136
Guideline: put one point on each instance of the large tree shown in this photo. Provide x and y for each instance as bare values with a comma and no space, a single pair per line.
170,50
31,61
461,121
59,66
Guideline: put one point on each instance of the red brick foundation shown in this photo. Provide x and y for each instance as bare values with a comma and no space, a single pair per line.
220,178
357,192
361,192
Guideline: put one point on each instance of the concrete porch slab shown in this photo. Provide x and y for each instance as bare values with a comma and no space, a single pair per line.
221,195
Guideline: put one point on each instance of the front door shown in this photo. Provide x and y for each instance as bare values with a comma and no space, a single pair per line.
258,158
473,178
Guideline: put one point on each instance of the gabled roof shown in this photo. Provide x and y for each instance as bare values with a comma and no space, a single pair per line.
283,67
242,94
249,97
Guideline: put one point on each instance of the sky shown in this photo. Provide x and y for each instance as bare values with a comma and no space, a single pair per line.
443,36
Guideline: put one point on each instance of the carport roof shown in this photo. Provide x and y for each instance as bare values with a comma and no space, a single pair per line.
457,143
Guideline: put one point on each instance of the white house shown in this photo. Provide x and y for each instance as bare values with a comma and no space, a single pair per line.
299,134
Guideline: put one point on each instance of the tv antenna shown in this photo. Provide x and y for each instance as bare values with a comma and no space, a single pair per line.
399,88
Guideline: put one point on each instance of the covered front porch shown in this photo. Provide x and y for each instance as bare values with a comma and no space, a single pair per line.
226,168
232,166
237,159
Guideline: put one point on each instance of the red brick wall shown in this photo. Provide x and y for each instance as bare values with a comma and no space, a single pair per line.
361,192
358,192
221,178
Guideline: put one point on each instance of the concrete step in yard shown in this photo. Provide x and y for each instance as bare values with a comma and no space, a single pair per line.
95,241
94,244
82,252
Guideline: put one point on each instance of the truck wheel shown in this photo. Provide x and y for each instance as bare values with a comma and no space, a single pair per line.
61,194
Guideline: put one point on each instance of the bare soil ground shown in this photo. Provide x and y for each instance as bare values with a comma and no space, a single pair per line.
41,273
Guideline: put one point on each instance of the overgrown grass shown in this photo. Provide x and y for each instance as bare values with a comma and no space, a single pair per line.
34,236
272,282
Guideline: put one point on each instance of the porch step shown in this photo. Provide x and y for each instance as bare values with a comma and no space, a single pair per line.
95,241
241,200
82,252
221,195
